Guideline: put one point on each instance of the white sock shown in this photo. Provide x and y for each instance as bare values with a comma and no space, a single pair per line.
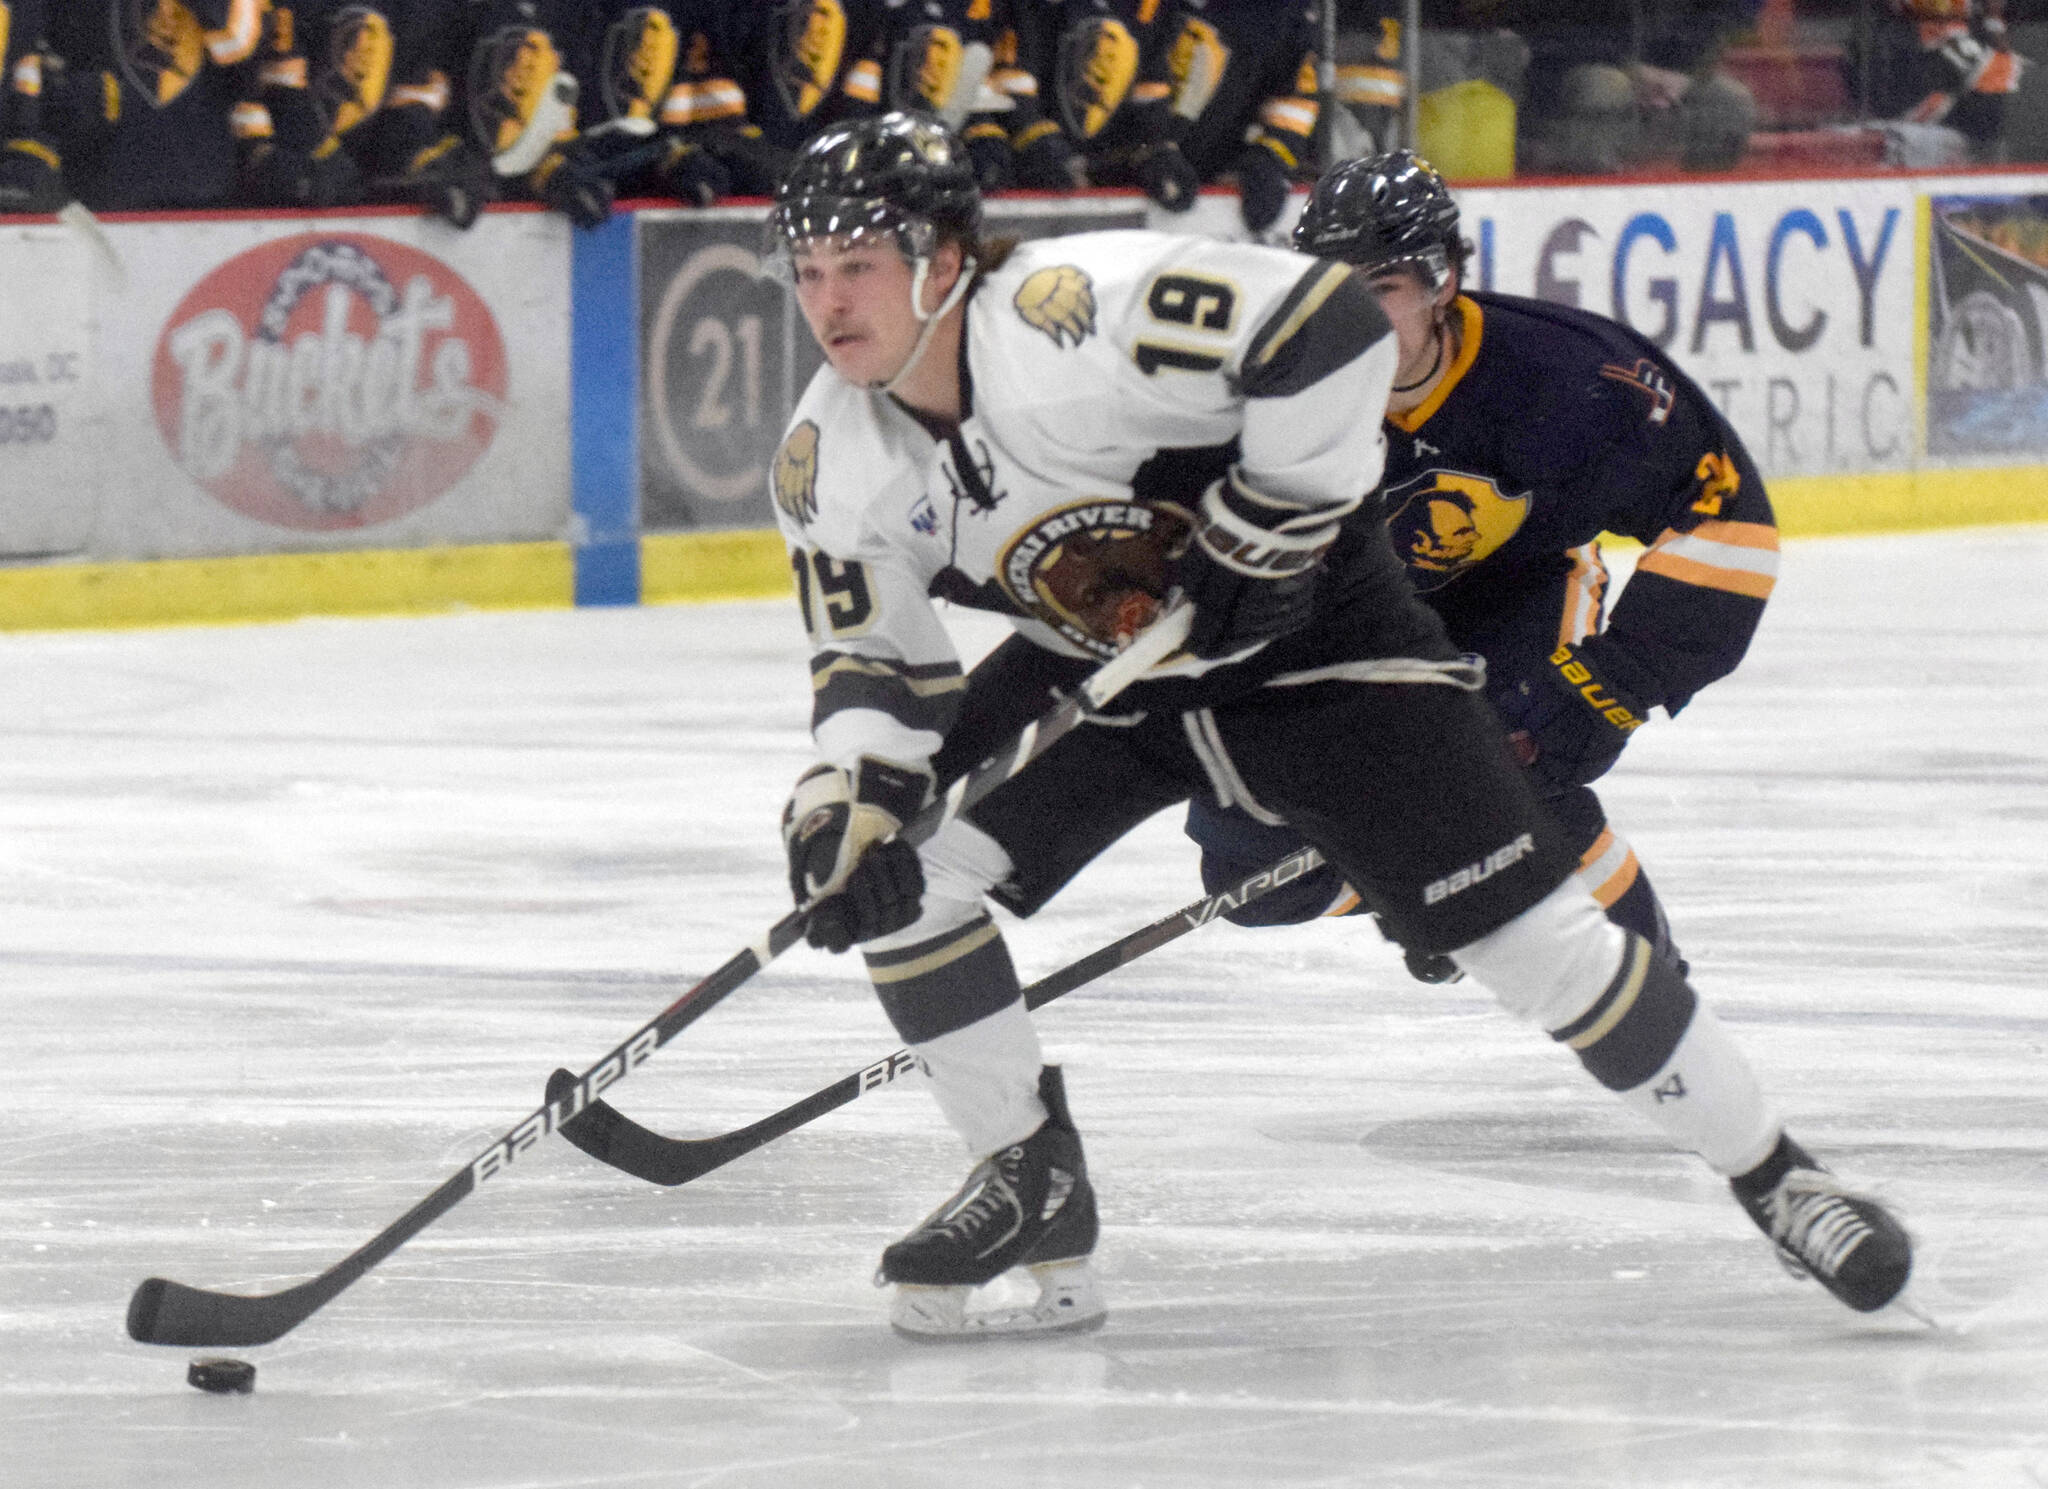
985,1077
1706,1098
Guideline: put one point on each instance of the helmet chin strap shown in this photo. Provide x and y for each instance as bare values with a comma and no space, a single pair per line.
920,270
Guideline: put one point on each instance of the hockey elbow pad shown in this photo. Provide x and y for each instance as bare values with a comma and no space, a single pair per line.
31,178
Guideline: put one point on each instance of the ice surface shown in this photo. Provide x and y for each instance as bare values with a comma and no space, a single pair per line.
295,920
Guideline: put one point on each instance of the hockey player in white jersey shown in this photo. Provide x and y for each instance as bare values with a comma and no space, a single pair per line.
1072,432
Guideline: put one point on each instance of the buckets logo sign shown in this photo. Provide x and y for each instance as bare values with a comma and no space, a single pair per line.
329,381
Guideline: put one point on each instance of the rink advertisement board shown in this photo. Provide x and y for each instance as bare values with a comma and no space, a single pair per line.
48,443
1987,318
310,384
1790,303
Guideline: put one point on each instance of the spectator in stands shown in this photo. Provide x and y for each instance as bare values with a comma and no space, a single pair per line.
1620,83
1946,63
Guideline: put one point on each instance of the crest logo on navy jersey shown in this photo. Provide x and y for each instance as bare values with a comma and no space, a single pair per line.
1098,62
161,46
1059,301
796,474
811,39
639,63
352,84
1444,521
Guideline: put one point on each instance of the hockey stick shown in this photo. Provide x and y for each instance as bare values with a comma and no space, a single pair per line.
166,1312
610,1136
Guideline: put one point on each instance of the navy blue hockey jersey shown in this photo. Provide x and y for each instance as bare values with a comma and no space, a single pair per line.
1552,426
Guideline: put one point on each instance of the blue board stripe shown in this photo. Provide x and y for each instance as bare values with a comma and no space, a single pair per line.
605,408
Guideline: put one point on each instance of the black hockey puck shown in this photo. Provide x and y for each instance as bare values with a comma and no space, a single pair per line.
222,1377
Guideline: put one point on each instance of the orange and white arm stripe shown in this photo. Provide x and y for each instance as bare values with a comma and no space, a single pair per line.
1290,115
1585,590
864,81
287,72
430,94
697,103
236,41
1739,557
28,75
1371,87
1608,869
251,121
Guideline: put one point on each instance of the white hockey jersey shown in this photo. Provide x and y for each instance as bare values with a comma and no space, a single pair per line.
1085,355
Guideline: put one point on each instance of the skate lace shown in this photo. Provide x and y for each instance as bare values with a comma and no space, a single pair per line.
994,1195
1814,1223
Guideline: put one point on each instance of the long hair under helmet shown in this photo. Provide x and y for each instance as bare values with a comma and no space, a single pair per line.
1384,212
900,174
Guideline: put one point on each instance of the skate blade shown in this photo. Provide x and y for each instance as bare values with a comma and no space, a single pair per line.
1068,1302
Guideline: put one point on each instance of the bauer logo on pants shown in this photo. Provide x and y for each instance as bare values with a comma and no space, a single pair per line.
329,381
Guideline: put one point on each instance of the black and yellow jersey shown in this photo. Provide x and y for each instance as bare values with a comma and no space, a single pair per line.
1245,72
151,86
1552,426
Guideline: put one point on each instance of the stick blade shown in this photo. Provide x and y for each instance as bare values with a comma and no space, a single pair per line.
166,1312
611,1137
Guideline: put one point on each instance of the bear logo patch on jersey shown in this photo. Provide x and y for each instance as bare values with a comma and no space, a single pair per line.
1443,522
1094,571
162,47
796,474
1059,301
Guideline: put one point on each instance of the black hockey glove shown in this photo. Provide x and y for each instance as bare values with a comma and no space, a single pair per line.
450,178
756,166
693,175
31,178
277,176
1047,162
569,182
1569,721
1262,186
836,830
1249,582
1169,178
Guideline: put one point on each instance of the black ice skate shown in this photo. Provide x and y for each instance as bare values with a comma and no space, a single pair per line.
1029,1205
1845,1241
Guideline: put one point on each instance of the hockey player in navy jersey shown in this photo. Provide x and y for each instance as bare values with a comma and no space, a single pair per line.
1519,432
1246,97
145,96
1002,426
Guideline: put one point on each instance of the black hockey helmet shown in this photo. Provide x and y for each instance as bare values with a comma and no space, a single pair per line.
1382,212
900,173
